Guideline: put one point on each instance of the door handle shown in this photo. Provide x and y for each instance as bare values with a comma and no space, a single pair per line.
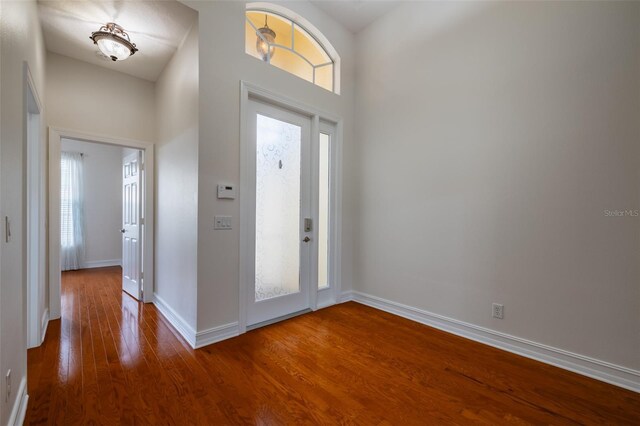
122,230
306,239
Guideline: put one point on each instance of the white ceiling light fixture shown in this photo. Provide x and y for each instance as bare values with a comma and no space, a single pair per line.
114,42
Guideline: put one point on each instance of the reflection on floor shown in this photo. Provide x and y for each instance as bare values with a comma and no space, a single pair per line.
112,360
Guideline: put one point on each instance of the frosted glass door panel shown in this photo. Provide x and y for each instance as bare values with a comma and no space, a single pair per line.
278,166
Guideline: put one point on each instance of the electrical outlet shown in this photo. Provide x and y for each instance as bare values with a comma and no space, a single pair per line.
8,385
498,310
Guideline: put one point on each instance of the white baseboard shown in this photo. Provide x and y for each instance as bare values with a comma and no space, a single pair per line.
19,410
216,334
195,339
326,297
44,323
345,296
178,323
325,304
102,263
601,370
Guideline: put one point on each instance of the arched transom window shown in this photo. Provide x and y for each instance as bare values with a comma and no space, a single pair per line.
284,43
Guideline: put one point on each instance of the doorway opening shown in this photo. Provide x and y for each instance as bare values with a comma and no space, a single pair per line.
290,209
101,210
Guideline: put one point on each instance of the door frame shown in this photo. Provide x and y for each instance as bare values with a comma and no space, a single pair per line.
272,309
35,216
55,274
250,91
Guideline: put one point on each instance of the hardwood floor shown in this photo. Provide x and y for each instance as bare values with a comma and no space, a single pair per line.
111,360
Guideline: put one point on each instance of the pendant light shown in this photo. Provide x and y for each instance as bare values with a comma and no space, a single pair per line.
265,49
114,42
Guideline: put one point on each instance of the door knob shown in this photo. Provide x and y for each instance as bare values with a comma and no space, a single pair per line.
122,230
306,239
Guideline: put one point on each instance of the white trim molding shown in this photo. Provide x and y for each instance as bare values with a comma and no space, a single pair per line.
324,304
216,334
102,263
178,323
19,410
183,329
35,202
345,296
44,323
597,369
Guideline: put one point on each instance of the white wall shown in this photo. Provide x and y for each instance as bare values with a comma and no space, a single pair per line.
89,98
102,201
177,181
223,64
20,40
491,138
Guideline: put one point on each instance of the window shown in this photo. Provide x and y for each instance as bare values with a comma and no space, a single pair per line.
286,44
71,210
324,212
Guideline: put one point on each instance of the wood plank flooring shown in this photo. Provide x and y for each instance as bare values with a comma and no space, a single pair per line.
111,360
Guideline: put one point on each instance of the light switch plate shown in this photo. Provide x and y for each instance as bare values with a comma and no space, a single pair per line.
222,222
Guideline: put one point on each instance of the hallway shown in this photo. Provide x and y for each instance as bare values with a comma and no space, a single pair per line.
111,360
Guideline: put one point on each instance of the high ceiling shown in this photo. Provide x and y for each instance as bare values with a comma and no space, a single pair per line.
156,26
355,15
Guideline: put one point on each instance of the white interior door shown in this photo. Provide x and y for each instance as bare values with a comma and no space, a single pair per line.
281,201
131,224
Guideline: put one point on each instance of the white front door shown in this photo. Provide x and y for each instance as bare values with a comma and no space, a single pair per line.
280,193
131,224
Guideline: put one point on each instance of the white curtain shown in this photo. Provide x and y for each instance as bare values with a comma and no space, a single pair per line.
71,211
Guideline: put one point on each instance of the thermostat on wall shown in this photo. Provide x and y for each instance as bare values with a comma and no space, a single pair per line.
226,191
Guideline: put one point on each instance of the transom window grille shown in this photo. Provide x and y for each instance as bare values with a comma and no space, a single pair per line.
285,44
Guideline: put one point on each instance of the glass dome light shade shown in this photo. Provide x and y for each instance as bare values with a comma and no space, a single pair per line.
266,49
113,42
113,49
